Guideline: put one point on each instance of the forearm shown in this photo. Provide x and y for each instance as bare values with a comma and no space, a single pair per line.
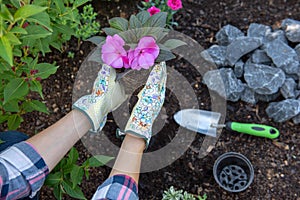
54,142
129,159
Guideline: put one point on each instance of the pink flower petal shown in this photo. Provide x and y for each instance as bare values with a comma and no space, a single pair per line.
146,60
153,10
118,63
113,52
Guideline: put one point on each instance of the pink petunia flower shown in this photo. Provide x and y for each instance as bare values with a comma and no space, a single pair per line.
146,1
113,52
144,55
153,10
174,4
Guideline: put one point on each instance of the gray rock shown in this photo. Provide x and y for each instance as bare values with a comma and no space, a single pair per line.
258,30
283,56
215,54
276,35
283,110
292,76
224,82
248,96
263,79
292,29
260,57
296,120
297,49
267,98
239,69
240,47
288,88
228,34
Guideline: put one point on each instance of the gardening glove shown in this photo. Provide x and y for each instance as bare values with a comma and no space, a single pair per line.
151,99
107,95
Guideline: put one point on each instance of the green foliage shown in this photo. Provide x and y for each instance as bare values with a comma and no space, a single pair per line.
162,5
86,26
67,176
71,54
28,29
172,194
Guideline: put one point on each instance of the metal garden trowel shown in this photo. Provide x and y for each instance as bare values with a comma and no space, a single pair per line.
206,122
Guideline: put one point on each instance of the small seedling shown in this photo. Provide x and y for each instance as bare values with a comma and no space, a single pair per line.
172,194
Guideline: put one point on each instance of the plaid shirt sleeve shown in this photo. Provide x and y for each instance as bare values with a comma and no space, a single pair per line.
117,187
22,171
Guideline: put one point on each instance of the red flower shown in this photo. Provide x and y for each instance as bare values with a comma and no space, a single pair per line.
174,4
153,10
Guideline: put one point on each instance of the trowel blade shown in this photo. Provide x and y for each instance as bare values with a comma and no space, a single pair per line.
198,120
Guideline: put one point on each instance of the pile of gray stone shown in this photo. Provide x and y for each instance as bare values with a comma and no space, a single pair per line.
262,65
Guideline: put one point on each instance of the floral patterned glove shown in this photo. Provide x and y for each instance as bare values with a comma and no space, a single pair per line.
106,96
151,99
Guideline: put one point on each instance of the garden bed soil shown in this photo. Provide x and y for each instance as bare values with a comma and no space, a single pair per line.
276,162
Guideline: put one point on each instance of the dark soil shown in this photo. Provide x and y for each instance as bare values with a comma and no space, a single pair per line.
276,162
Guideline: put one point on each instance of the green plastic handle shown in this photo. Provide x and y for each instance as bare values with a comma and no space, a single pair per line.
254,129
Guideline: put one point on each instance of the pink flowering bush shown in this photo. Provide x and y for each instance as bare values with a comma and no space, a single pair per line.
137,43
168,6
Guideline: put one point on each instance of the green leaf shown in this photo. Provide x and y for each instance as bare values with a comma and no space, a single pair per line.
53,179
87,174
42,19
157,20
36,86
73,156
96,56
60,6
75,193
134,23
27,11
36,32
6,50
44,48
13,39
57,191
63,29
56,45
7,75
119,23
96,40
164,55
11,106
111,31
45,70
173,43
3,118
33,105
15,3
143,16
18,30
1,141
98,160
16,88
76,175
5,13
78,3
14,121
17,52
